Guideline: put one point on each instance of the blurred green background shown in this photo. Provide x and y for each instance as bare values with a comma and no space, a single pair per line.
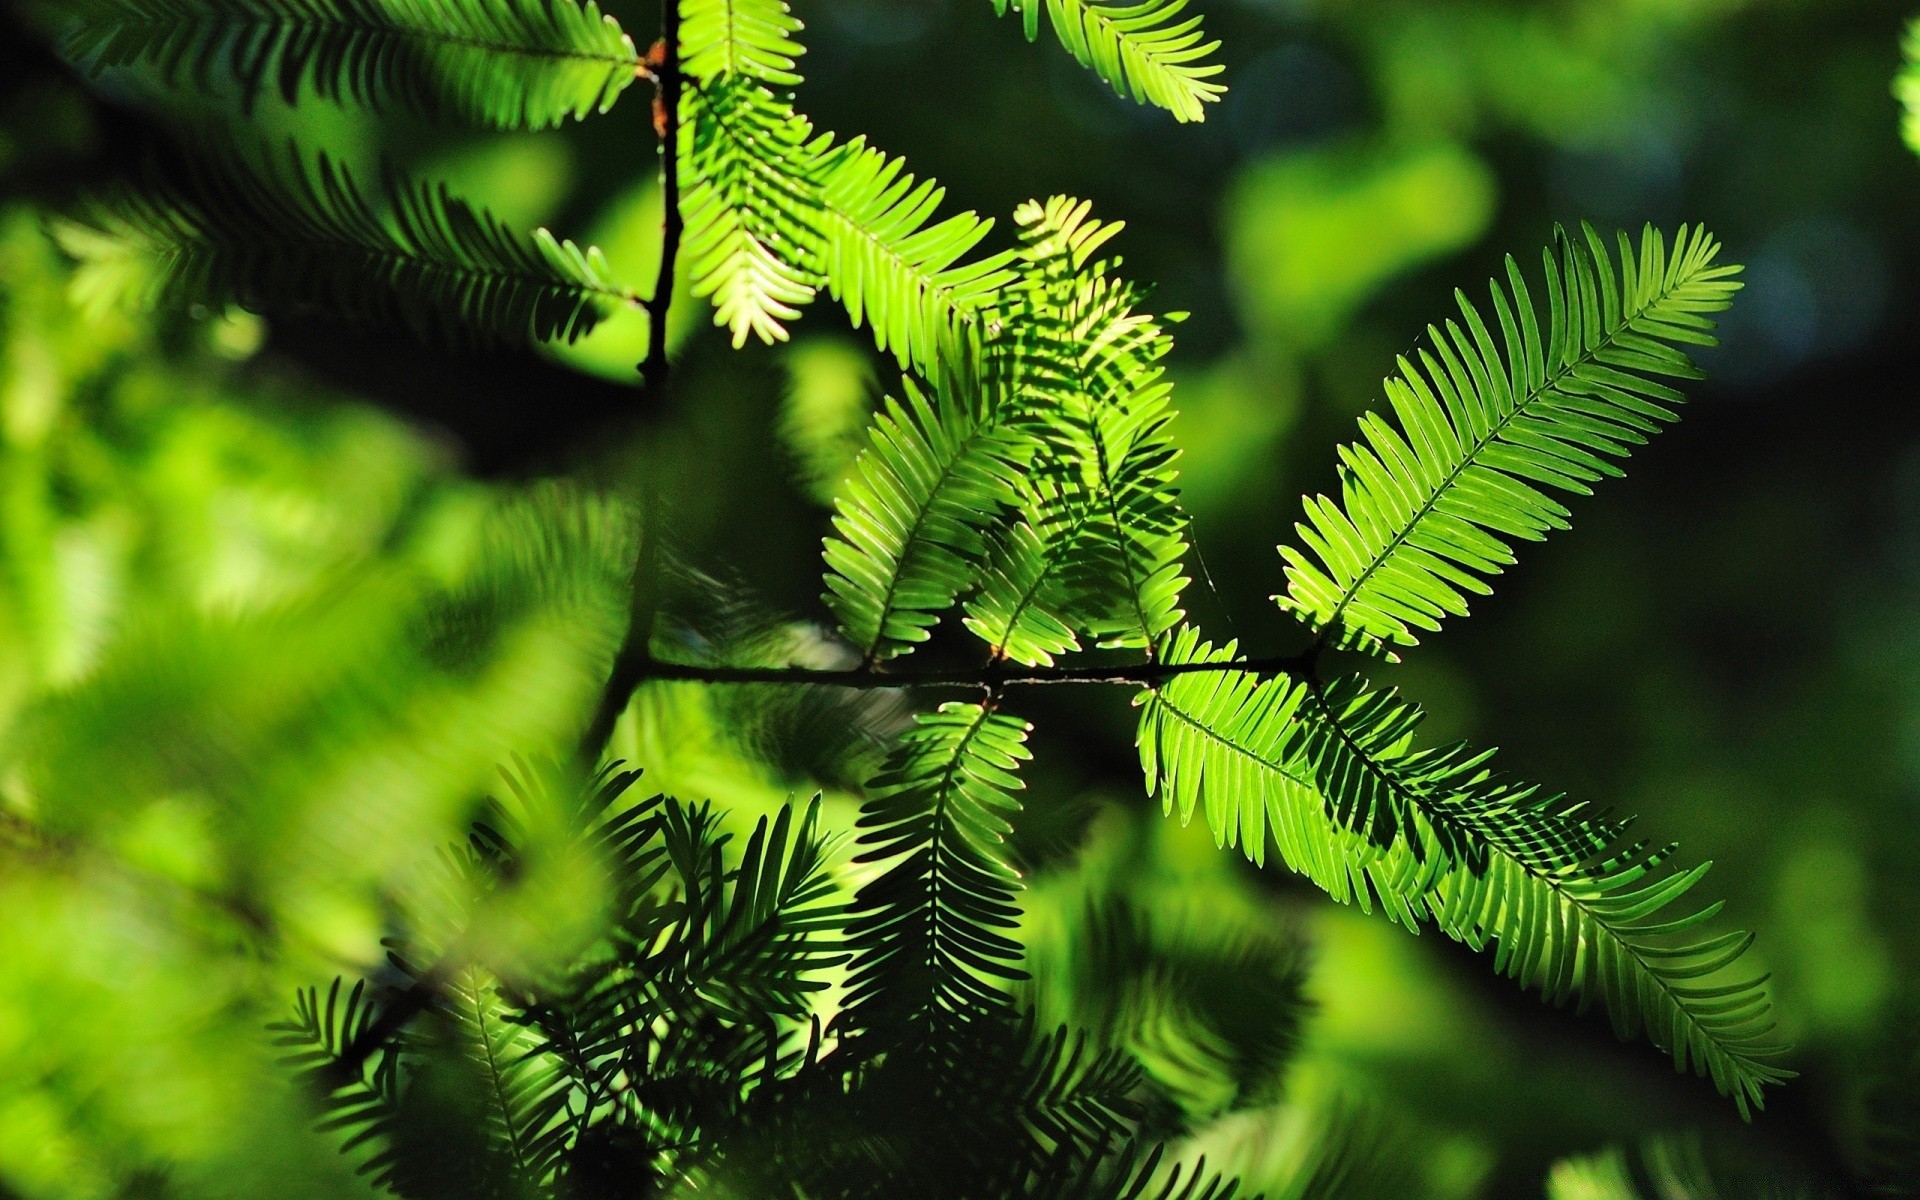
221,540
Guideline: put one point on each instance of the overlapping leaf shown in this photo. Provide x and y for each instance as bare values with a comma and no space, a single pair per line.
504,64
1429,507
302,235
909,531
933,934
775,212
1101,539
752,200
1570,904
1143,49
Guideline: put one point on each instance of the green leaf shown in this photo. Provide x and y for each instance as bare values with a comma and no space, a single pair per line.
933,935
1144,50
751,200
1570,903
1907,87
297,235
749,38
1429,505
896,269
775,212
503,64
1019,609
1100,545
363,1108
908,537
524,1090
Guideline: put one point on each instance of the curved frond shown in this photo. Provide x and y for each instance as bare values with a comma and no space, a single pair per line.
297,235
908,534
1102,540
896,269
1020,610
775,212
1429,506
933,934
1570,904
503,64
757,935
1144,50
751,200
523,1088
362,1109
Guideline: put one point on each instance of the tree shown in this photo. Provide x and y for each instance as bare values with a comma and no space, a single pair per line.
603,986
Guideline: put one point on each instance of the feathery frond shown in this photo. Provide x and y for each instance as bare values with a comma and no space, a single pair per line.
1569,902
755,935
1102,540
908,534
1428,509
502,64
524,1090
894,268
1144,50
303,235
749,38
361,1109
775,212
932,935
752,206
1021,609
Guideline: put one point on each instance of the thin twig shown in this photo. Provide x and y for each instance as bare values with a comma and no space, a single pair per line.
666,82
631,662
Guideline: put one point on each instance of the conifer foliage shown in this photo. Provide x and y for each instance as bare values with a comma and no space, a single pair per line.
1022,483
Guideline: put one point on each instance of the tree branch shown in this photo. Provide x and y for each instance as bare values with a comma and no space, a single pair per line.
666,121
631,661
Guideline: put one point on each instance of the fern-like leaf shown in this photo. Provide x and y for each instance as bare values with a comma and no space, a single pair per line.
503,64
932,934
1020,609
362,1108
524,1090
753,39
774,212
908,535
752,206
1144,49
1428,508
1569,902
896,269
1103,537
299,235
757,935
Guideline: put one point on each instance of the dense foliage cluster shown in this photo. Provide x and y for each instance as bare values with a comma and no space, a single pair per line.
607,991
